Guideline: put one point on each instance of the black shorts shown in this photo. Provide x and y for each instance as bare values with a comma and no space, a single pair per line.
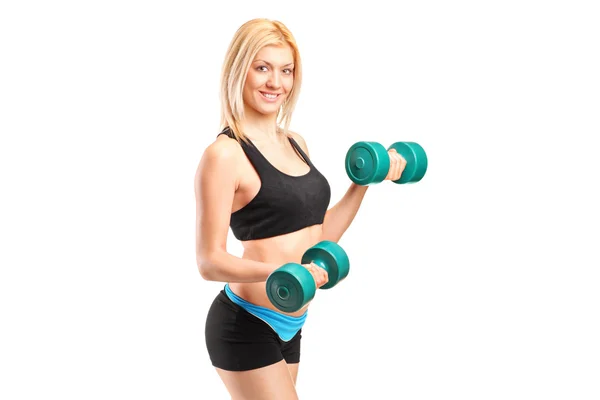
238,341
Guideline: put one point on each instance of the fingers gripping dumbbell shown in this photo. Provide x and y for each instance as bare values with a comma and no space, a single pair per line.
368,163
291,286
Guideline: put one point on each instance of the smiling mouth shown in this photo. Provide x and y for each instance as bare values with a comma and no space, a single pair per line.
270,96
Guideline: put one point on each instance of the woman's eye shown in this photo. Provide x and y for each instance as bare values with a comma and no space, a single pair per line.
287,71
262,68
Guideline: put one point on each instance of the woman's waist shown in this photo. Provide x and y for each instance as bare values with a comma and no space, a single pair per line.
284,248
256,293
279,250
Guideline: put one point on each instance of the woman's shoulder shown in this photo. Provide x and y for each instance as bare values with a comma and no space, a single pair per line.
222,151
299,139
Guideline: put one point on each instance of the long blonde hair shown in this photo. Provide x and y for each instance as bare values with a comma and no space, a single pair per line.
249,39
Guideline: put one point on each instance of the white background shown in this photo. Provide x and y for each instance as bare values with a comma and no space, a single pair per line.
479,282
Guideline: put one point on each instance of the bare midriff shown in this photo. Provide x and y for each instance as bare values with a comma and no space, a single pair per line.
281,249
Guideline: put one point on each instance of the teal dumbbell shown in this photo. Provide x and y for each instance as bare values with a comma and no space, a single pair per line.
291,286
368,163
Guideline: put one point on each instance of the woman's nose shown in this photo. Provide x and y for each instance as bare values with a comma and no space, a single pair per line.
274,81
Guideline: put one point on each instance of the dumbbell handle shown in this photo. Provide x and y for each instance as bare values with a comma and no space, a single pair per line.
283,292
332,258
320,264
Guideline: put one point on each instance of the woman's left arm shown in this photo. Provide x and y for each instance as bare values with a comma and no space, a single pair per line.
339,217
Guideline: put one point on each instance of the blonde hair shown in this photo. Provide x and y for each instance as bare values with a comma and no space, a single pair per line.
249,39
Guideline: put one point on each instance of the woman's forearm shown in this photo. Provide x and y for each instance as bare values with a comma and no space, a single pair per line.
339,217
221,266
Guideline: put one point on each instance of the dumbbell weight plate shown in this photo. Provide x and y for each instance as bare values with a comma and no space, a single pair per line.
367,163
290,287
416,161
332,257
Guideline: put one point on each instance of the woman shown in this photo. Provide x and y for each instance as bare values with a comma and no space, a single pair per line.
258,179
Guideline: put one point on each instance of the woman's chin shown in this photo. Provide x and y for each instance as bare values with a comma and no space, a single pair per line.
268,110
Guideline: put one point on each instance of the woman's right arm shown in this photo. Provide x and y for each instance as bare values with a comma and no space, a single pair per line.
215,184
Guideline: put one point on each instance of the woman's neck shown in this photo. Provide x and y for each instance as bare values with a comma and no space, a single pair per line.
262,128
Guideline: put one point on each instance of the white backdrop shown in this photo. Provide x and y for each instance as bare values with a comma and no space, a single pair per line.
479,282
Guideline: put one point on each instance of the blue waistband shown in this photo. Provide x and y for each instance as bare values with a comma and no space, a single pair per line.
286,326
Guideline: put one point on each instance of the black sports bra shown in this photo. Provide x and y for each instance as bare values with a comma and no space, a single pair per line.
284,203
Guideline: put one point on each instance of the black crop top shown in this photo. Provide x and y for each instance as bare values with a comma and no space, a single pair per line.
284,203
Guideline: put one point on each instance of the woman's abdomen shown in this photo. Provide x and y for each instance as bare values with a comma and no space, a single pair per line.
279,250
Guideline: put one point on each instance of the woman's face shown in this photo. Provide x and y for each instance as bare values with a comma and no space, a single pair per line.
270,79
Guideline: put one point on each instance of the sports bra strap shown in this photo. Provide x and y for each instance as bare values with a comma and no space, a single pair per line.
300,151
260,164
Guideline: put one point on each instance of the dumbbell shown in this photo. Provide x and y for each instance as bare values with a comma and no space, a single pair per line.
291,286
368,163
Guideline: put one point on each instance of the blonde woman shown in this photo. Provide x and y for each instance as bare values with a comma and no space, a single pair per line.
257,179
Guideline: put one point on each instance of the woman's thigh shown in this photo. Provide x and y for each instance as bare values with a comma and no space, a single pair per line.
273,382
293,368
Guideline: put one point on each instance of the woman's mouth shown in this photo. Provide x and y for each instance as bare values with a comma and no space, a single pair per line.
270,96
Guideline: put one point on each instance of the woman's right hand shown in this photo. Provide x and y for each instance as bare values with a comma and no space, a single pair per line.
319,274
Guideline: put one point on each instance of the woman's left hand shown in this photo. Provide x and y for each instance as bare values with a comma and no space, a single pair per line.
397,165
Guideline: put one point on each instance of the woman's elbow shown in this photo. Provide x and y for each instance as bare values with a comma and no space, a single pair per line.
205,267
331,236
